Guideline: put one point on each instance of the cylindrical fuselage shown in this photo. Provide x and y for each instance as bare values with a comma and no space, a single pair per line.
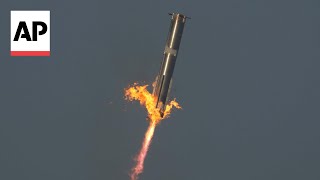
163,82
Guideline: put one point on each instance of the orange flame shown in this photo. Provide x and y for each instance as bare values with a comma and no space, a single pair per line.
141,93
146,99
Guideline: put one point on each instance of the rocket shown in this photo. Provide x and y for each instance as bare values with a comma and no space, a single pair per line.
164,79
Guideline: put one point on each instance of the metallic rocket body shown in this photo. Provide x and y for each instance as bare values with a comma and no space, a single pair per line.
164,78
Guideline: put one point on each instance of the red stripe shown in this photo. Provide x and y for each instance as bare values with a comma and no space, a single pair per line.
30,53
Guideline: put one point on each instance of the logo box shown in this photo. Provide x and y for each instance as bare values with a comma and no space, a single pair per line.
30,33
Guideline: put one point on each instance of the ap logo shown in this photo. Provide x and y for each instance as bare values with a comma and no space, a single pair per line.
30,33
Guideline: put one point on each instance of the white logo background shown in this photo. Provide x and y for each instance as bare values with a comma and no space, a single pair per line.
43,41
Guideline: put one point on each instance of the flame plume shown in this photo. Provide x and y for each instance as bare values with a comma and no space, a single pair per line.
141,93
138,168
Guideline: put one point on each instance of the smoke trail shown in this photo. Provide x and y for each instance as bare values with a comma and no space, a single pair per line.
138,168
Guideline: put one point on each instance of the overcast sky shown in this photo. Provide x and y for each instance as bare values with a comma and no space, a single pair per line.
247,77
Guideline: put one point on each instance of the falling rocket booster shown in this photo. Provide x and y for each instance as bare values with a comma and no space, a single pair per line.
164,79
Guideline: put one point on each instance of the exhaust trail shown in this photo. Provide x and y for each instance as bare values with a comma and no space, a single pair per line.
138,168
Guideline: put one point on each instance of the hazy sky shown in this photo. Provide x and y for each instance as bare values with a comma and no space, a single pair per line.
247,77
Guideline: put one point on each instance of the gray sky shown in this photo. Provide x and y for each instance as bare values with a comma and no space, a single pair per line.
247,77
